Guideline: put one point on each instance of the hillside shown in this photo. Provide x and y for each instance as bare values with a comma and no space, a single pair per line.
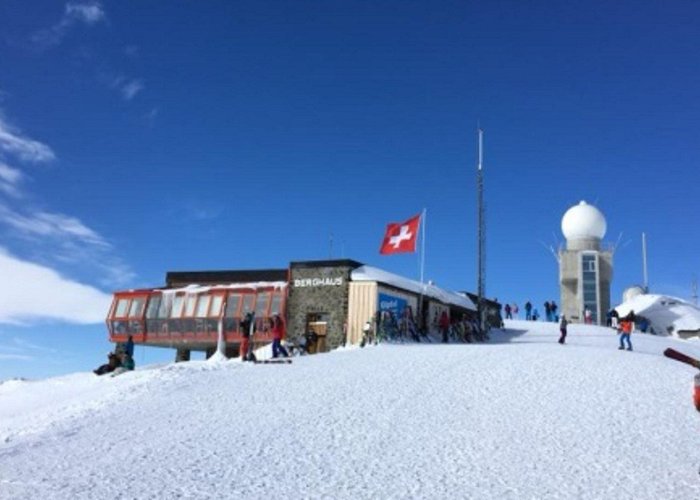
518,417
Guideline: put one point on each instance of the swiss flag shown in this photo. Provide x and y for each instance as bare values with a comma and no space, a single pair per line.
401,236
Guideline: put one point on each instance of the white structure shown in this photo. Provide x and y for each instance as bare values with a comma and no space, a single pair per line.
632,292
585,268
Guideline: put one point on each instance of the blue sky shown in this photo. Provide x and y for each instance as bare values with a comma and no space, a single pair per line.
142,137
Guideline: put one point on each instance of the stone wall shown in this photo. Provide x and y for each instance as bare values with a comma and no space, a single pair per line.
317,288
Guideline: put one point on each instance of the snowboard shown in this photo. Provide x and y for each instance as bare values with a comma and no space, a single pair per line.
274,361
683,358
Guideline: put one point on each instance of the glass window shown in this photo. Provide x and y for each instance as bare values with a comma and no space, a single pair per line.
203,305
216,301
166,303
232,303
190,301
176,310
153,305
261,305
276,307
136,309
248,302
122,308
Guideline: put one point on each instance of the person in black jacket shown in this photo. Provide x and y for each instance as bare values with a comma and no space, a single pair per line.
247,330
562,328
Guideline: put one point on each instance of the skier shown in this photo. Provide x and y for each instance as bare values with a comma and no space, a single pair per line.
547,312
535,314
588,316
625,331
247,328
277,335
528,310
562,328
515,309
508,310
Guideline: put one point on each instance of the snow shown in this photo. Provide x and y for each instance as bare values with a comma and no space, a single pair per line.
369,273
518,417
665,314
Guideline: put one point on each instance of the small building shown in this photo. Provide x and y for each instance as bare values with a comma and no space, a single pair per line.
331,298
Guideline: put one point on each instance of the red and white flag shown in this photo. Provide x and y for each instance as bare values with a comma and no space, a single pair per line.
401,236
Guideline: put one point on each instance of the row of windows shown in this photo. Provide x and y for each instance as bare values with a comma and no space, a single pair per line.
197,305
169,327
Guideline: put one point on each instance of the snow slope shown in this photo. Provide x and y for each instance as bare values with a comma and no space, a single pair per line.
518,417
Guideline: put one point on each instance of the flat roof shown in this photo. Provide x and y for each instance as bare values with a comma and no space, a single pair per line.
182,278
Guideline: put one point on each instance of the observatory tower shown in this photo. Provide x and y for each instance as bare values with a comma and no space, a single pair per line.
585,268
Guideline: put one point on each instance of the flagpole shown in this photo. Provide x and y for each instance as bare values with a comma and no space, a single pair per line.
422,268
422,244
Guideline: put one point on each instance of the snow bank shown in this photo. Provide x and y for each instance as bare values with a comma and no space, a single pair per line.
667,315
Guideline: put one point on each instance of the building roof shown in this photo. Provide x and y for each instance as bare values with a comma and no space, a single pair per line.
183,278
326,263
368,273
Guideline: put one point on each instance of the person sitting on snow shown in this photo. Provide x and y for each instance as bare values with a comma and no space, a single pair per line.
112,364
127,364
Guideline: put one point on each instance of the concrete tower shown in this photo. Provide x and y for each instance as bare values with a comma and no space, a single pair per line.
585,268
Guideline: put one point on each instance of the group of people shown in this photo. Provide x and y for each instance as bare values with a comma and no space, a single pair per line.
531,313
275,326
624,327
120,361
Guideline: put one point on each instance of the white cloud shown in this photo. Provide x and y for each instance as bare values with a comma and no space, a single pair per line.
88,13
12,142
15,357
127,87
30,292
131,88
9,180
51,224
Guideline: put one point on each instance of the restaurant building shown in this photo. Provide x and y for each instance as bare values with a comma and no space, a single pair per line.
331,298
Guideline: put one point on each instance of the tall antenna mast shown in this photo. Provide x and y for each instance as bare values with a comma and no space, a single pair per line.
644,262
481,236
695,290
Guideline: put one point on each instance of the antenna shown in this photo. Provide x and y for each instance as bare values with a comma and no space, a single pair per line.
551,249
330,245
694,286
617,243
644,262
481,235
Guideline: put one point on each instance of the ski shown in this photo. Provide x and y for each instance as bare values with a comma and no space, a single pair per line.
282,361
683,358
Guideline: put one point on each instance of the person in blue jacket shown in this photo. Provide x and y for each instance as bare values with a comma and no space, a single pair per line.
129,347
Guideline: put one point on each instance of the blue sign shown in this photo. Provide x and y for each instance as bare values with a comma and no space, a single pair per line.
395,305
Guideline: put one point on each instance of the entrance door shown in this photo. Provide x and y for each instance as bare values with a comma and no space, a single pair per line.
318,324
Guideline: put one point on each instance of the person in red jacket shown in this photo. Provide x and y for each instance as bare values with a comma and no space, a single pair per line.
277,336
444,325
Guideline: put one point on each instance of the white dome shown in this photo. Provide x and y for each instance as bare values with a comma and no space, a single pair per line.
632,292
583,221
